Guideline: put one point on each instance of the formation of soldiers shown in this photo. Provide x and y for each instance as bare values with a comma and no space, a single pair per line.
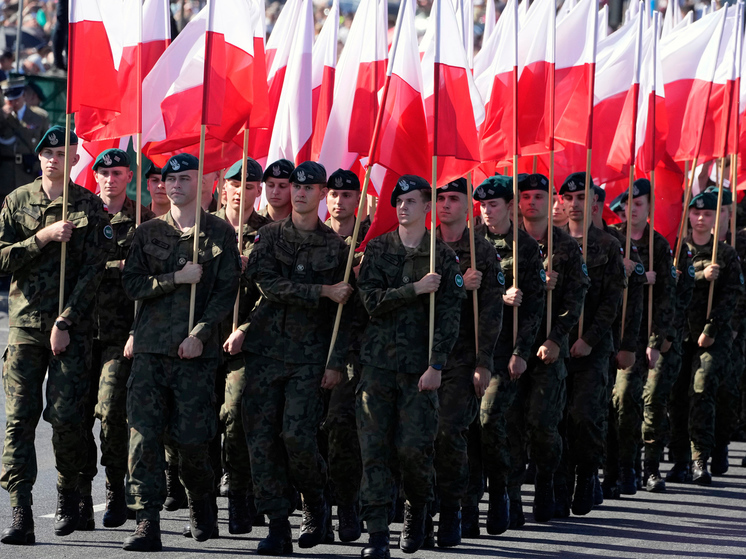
220,375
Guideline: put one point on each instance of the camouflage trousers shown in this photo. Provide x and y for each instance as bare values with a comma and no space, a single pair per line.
343,446
728,394
475,485
533,420
235,449
656,430
496,451
174,398
68,383
693,399
282,410
458,408
393,416
107,401
627,406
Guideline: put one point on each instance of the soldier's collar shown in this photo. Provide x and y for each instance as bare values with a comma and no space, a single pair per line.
422,248
463,241
175,231
291,233
126,214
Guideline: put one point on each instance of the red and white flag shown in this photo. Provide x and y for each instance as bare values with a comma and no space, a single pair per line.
489,21
90,62
322,77
146,50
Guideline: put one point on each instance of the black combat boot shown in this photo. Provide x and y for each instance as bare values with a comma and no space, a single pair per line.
543,498
176,498
561,497
349,523
203,520
378,546
413,532
86,523
582,502
315,524
679,473
146,537
498,515
279,540
628,480
720,463
225,485
240,517
517,520
115,514
654,482
598,492
21,529
470,522
68,512
449,526
700,475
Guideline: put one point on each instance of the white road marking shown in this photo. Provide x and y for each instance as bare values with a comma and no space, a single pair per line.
96,508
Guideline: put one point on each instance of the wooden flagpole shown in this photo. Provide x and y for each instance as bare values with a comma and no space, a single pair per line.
472,253
65,190
433,230
716,234
198,215
240,216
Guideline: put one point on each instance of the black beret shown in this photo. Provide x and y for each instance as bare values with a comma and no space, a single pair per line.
534,181
641,187
343,180
280,169
114,157
727,196
600,193
498,186
705,201
150,168
180,163
407,183
55,138
459,185
253,171
309,172
574,182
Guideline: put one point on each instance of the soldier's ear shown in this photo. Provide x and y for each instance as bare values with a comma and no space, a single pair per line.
75,161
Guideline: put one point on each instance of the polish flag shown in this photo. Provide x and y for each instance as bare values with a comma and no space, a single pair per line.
672,17
489,21
465,18
603,22
322,77
402,143
156,36
90,62
209,65
293,124
82,172
447,84
363,64
692,60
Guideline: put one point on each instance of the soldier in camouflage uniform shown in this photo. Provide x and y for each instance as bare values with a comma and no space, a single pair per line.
706,346
241,508
588,366
159,202
468,371
537,411
510,358
343,449
41,342
276,180
298,264
397,398
171,384
627,393
114,315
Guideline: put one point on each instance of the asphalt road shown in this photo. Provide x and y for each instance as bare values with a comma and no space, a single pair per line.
687,521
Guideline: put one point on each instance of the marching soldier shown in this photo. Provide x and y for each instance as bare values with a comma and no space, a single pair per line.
41,341
467,374
159,202
171,385
276,180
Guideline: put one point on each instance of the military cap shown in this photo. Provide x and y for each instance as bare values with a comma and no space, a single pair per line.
280,169
344,180
534,181
33,86
574,182
150,168
55,138
727,196
253,171
459,185
180,163
616,205
13,88
600,193
112,158
408,183
309,172
498,186
705,201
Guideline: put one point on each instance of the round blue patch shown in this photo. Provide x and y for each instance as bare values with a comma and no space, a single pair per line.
639,269
500,278
459,280
674,275
585,269
691,271
108,232
543,276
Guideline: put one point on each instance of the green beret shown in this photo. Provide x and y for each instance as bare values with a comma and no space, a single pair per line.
617,204
459,185
727,196
280,169
253,171
309,172
498,186
114,157
408,183
180,163
534,181
55,138
705,201
574,182
344,180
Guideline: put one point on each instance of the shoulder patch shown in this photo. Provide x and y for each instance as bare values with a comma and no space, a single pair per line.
621,251
458,261
673,272
639,269
459,280
543,275
500,278
108,232
585,269
691,271
634,248
499,258
256,238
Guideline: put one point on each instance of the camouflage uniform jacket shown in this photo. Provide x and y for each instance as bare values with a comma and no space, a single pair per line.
159,248
569,293
602,301
364,226
34,289
396,337
115,313
490,301
292,322
531,281
664,289
728,289
249,292
683,294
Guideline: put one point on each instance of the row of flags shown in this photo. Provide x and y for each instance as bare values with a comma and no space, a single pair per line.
652,94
